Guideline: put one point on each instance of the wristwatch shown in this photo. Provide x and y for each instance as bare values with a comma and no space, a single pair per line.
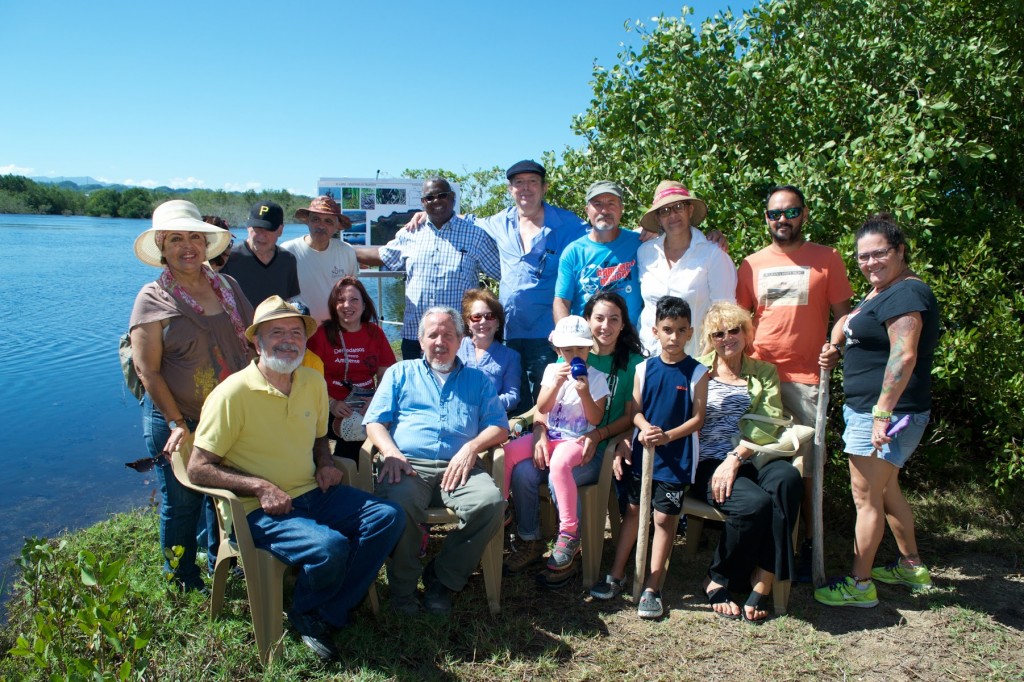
178,424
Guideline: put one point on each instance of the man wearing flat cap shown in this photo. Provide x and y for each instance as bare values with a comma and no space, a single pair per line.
261,268
322,259
263,435
603,260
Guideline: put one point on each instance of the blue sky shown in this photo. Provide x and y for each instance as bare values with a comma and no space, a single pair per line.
271,95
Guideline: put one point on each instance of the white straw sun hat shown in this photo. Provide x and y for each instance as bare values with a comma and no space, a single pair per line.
179,216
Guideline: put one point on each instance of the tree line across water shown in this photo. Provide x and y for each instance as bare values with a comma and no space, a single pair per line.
908,106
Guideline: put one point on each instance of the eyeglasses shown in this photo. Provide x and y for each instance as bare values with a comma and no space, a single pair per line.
792,212
877,254
440,196
718,336
143,465
476,317
677,207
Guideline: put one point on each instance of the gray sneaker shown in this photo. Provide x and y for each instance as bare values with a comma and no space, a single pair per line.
609,588
650,605
565,550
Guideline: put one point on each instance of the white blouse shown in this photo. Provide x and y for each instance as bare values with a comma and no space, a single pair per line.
704,275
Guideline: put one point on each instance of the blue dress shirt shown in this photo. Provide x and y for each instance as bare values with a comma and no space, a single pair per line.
429,421
528,275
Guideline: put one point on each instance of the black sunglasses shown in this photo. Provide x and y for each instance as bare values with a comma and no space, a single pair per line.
440,196
143,465
776,213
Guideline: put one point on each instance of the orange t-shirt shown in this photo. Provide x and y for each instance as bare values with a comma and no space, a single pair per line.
790,295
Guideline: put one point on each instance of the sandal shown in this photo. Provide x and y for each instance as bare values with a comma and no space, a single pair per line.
757,602
719,595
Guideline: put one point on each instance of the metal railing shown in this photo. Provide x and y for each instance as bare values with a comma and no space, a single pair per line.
380,276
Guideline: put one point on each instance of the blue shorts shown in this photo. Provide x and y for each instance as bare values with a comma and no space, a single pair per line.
857,436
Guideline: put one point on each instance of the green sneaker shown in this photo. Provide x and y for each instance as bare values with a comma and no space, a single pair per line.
843,592
915,577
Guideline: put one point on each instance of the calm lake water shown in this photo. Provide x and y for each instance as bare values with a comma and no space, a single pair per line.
68,423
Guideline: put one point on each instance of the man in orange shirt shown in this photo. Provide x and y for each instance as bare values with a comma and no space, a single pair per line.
791,285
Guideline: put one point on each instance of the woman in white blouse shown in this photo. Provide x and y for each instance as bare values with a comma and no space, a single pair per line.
680,262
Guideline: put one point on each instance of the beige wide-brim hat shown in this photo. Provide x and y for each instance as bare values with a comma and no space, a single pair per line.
274,308
671,192
179,216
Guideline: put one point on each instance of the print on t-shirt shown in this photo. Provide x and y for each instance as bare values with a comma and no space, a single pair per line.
785,285
596,279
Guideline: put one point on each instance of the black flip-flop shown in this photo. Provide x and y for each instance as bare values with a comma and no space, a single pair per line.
757,602
720,595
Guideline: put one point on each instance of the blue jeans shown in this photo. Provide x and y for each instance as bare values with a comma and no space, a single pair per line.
536,354
181,509
526,479
339,539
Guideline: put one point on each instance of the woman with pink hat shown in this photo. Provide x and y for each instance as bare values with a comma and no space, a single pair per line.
188,334
680,262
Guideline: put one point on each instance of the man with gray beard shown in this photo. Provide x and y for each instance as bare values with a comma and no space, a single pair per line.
263,435
431,418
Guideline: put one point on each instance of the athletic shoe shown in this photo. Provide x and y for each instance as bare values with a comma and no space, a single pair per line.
315,634
609,588
565,550
524,554
843,591
915,577
650,605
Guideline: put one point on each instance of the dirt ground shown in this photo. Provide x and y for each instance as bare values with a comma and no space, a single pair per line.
969,627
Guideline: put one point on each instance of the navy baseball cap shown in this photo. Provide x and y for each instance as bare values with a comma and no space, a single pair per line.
266,215
526,166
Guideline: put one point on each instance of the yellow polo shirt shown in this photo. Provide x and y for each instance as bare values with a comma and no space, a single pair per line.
260,431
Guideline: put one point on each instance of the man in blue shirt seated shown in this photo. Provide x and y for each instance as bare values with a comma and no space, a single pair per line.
431,418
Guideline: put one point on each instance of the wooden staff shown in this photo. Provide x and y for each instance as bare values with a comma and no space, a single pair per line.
818,482
643,530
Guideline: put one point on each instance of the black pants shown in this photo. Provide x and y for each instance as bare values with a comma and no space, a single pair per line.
762,510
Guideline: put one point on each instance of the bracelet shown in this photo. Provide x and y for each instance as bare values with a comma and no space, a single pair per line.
839,349
879,413
736,455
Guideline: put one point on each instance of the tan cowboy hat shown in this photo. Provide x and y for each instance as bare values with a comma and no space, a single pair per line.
671,192
274,308
326,205
179,216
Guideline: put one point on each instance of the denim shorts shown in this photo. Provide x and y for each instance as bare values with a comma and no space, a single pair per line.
857,436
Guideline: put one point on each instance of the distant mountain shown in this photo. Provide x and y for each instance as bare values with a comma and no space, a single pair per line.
80,181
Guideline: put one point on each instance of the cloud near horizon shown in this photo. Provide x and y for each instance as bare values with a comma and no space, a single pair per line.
12,169
183,183
242,187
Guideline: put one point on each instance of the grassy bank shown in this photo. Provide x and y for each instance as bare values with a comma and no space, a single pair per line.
971,627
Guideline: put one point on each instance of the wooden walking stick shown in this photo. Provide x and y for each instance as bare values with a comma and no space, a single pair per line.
643,530
818,482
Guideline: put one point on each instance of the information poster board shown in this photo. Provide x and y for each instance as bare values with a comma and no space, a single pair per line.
378,207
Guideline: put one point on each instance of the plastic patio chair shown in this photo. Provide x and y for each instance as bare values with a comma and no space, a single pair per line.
490,561
594,506
697,510
264,573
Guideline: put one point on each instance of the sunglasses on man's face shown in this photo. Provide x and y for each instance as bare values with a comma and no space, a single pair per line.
476,317
440,196
143,465
776,213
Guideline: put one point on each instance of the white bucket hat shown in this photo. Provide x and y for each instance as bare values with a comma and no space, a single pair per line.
179,216
572,331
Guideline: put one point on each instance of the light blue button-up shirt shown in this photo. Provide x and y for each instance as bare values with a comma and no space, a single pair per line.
528,275
429,421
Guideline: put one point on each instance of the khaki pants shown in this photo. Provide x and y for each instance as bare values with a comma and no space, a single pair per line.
479,506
